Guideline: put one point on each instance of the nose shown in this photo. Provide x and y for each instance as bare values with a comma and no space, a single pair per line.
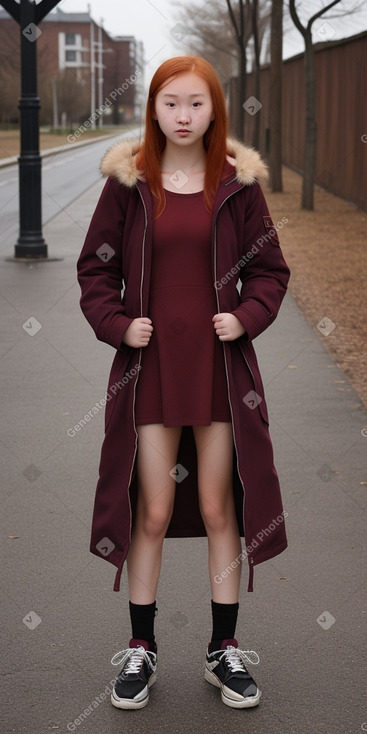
183,115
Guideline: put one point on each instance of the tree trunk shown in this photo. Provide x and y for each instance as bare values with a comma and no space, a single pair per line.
255,31
241,93
275,97
311,132
239,29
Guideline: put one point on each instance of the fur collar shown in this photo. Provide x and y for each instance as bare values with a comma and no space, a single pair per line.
120,162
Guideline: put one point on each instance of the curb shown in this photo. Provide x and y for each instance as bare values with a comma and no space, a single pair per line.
4,162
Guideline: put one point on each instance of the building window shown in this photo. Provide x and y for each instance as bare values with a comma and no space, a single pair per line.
71,50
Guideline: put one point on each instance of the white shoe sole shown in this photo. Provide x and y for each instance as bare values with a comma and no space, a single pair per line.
231,698
134,703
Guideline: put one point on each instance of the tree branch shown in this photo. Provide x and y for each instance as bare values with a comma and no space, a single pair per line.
295,18
320,13
234,22
304,30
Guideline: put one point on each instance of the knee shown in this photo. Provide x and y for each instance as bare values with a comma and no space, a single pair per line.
215,518
154,521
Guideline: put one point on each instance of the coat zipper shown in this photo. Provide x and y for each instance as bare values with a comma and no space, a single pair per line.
250,584
140,352
119,570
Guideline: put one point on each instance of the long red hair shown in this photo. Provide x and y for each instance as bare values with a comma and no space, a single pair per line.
149,155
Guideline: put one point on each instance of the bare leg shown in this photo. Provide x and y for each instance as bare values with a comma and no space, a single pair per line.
214,446
157,455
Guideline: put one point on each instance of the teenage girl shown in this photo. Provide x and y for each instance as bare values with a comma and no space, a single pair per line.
182,220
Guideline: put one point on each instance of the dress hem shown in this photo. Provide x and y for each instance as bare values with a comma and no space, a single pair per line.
180,423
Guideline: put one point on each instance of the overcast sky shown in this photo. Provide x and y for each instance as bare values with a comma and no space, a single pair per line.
152,21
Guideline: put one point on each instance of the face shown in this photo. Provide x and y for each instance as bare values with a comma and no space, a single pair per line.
184,109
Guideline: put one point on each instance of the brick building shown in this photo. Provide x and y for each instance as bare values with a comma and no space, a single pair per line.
106,85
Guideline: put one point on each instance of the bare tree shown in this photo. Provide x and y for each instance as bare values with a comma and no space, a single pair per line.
275,95
256,67
239,24
224,34
206,31
311,132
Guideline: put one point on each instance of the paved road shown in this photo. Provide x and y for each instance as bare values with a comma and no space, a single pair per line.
64,177
60,620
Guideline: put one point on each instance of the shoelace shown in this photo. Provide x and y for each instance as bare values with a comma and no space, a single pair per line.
132,659
236,659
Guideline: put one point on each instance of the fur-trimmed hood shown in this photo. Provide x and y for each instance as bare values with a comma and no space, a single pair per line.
120,162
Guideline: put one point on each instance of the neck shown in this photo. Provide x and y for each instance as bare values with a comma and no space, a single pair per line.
188,159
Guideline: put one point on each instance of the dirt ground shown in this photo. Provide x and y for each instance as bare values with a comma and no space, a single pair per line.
10,140
326,251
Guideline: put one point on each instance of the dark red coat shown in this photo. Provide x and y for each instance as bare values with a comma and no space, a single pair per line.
244,245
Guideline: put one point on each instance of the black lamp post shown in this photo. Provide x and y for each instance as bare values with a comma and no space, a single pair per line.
30,242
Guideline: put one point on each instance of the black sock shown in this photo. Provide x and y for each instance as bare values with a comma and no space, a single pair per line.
142,621
224,623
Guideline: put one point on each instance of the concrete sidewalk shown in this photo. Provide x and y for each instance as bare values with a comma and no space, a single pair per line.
61,621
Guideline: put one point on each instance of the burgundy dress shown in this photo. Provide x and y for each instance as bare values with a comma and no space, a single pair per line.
182,379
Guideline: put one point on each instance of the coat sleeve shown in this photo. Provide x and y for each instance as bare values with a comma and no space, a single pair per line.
100,269
264,273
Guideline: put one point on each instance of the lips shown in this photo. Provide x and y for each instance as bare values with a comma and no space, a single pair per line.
183,130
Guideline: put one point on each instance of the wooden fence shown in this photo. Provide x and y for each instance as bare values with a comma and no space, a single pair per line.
341,115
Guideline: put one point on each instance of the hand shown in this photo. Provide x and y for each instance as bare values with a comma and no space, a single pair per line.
227,327
138,333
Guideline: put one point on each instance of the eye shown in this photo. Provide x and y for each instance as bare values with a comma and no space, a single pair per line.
197,104
170,104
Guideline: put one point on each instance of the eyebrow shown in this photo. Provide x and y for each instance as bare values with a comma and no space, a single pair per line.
198,94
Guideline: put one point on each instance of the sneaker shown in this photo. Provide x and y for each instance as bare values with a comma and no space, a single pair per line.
138,673
225,668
